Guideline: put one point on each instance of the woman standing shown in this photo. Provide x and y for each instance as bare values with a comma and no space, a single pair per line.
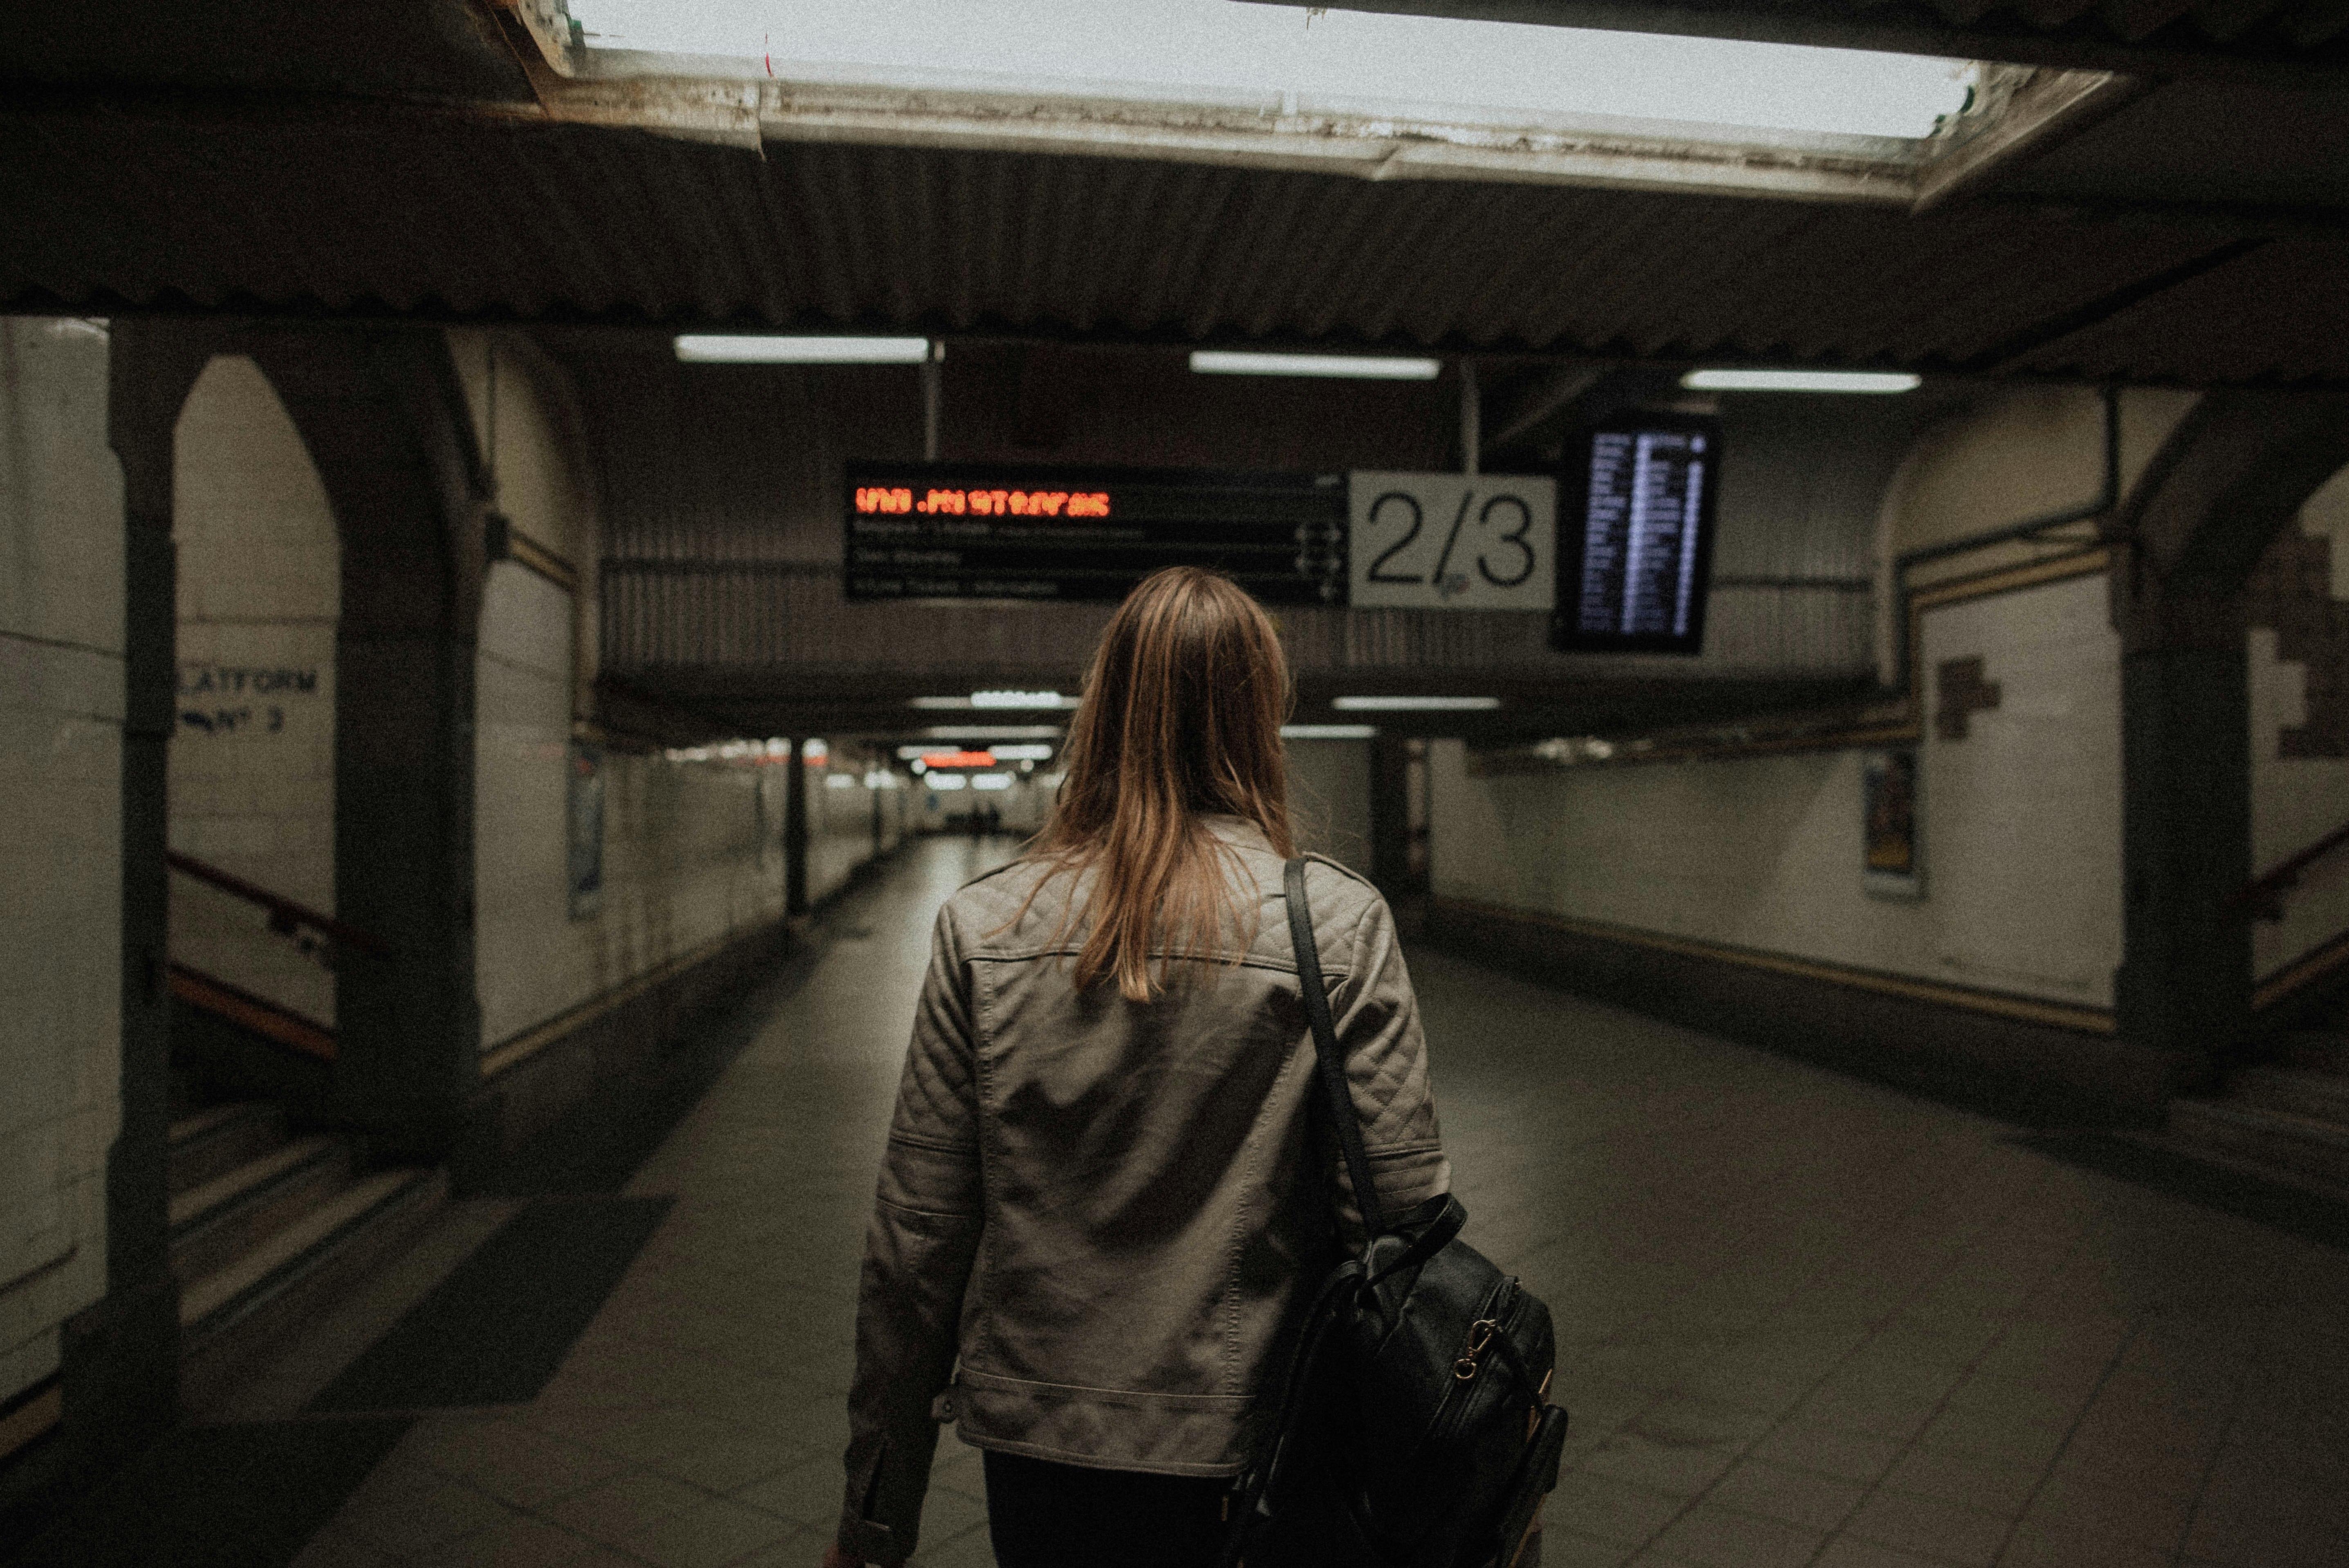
1102,1197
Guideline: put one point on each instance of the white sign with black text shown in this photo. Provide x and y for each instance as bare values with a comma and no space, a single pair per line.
1450,541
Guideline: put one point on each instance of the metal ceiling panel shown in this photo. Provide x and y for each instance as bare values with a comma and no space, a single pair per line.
450,218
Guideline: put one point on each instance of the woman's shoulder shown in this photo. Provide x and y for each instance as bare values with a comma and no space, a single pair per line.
1342,897
995,904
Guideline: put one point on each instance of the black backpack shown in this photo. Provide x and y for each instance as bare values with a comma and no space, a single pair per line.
1414,1427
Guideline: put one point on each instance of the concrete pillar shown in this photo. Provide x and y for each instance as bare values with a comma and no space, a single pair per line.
2185,980
795,833
1390,815
119,1362
2230,474
385,422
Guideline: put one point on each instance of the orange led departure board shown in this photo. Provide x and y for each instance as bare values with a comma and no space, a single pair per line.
883,500
948,531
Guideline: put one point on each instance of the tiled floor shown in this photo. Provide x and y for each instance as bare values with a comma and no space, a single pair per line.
1805,1321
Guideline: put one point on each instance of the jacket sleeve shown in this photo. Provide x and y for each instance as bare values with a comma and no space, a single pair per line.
1377,1019
918,1251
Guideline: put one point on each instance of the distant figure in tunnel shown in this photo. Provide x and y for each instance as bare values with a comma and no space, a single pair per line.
1100,1199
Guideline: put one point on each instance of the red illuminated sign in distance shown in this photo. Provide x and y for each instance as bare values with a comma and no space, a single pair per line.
958,759
877,500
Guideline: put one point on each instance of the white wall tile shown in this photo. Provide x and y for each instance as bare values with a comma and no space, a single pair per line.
252,752
61,622
2021,827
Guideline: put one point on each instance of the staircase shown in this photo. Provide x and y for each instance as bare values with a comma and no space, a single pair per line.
2291,1117
267,1224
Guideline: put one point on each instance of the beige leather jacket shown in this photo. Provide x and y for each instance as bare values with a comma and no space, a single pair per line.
1096,1216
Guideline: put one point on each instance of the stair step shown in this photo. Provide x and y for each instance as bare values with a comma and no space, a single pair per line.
230,1214
208,1143
275,1288
2278,1140
2299,1091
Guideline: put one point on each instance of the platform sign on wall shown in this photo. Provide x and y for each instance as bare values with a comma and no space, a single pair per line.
992,531
1646,489
1450,541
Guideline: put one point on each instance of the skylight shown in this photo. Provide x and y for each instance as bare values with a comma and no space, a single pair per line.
1289,60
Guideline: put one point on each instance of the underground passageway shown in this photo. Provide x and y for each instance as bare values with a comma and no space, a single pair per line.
1805,1319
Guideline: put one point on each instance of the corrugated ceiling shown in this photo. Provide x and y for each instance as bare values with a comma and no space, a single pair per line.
445,217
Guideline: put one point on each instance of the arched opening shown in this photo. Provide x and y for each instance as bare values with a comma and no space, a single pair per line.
252,779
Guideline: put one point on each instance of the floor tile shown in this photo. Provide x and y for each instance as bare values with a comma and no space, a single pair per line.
1794,1310
1848,1551
1791,1496
1609,1510
811,1492
1981,1484
621,1504
706,1535
1717,1537
1834,1451
1930,1528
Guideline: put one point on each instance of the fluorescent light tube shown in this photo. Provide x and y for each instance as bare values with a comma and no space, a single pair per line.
993,732
1030,700
1209,362
712,348
1800,381
1328,731
1414,704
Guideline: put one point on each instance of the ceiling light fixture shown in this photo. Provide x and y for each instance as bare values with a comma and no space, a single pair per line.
1414,704
984,732
1030,700
1329,731
1215,362
723,348
1800,381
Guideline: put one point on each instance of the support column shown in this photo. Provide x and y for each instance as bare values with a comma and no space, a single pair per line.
385,421
2185,980
2230,475
1391,814
795,834
120,1360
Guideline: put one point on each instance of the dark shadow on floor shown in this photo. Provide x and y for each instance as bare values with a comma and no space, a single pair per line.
2295,1211
234,1497
499,1327
599,1142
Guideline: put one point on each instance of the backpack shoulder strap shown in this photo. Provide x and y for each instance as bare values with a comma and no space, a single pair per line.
1337,1100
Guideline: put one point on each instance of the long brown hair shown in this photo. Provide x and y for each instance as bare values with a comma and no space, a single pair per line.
1181,718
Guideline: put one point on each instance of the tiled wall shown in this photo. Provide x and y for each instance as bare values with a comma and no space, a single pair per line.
2297,800
692,851
61,643
2018,829
542,488
841,797
253,753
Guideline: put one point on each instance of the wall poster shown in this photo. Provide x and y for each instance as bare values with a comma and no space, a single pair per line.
587,814
1889,796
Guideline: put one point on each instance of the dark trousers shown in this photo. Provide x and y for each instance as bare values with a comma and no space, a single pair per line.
1045,1515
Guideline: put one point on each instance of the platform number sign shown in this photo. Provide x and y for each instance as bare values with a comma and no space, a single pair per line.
1450,541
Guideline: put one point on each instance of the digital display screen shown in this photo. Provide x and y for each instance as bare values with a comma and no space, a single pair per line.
971,531
1635,580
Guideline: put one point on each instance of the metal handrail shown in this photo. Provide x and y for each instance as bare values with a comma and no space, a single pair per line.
2263,894
286,917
